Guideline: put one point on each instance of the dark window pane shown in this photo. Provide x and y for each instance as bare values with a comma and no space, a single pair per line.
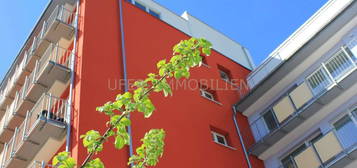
270,120
288,162
157,15
224,75
140,6
221,140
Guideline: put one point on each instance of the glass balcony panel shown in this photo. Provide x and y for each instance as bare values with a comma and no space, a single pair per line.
328,146
346,131
259,129
319,81
283,109
307,159
339,64
301,95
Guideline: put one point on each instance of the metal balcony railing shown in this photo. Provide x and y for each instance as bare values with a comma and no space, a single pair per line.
42,164
51,67
60,14
46,119
59,24
300,97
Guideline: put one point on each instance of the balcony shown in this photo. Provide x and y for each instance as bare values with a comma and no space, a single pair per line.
302,101
51,68
60,24
330,151
45,120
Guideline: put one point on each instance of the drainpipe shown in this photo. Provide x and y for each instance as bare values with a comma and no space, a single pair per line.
125,75
240,137
71,86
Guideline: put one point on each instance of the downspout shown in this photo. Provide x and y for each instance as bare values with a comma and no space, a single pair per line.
71,86
240,137
125,75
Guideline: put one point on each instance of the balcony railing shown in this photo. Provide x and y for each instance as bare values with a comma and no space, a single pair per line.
329,151
299,102
53,66
42,164
46,119
59,24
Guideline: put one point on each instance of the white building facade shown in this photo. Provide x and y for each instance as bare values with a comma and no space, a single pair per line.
302,107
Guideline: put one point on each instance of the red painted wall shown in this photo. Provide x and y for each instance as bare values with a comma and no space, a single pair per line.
186,117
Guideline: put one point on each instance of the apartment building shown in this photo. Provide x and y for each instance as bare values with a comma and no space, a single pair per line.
302,108
82,53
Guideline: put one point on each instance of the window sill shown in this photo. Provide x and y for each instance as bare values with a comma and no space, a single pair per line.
225,145
219,103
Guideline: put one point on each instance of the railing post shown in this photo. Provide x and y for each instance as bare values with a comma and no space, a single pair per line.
59,12
328,74
24,135
43,165
3,155
35,71
5,117
13,142
49,106
56,53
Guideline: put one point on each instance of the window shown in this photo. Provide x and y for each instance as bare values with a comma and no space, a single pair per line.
339,64
219,138
208,93
346,130
155,14
224,73
352,49
270,120
139,5
319,81
288,161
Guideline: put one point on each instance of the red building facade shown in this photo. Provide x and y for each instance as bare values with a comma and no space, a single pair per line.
122,39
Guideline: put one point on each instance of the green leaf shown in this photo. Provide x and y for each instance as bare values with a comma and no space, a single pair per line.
151,150
96,163
119,142
206,51
91,141
63,160
125,121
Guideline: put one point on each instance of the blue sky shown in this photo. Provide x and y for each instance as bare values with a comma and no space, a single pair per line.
259,25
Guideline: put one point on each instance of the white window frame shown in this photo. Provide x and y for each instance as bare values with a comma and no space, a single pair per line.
215,138
204,93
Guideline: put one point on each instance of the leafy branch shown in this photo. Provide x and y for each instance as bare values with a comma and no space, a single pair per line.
186,55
